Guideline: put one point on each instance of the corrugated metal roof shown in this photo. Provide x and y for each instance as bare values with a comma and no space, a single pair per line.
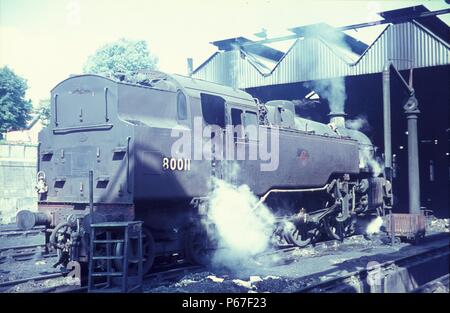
353,45
261,50
315,58
437,26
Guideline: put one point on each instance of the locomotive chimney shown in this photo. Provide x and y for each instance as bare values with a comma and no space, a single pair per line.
337,118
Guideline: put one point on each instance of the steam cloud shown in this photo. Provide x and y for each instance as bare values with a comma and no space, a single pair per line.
305,103
374,226
332,89
242,229
366,159
359,123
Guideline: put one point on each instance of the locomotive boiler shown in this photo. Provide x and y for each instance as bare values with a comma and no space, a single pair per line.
320,183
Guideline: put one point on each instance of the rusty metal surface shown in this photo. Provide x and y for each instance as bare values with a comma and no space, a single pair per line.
405,225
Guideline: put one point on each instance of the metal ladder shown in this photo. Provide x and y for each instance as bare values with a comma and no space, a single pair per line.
114,281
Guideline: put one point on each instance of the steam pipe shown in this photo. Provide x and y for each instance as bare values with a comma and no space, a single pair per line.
264,197
412,112
387,113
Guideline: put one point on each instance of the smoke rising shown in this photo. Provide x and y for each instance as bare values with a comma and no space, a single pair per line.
242,229
359,123
333,89
305,103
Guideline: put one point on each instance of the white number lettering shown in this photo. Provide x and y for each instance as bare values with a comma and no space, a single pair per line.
166,163
176,164
173,164
180,165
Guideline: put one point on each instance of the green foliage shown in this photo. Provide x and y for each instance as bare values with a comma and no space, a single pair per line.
14,109
122,56
44,111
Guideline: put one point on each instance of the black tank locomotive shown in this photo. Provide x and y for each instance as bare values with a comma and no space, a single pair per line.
124,133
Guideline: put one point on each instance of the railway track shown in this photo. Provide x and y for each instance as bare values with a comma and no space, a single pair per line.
14,232
358,281
20,233
4,286
25,247
153,279
24,253
439,285
400,275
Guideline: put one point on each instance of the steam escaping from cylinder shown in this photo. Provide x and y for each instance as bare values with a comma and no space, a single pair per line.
366,159
366,152
243,228
374,226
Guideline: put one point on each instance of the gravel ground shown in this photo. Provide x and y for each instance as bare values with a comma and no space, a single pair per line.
38,286
293,270
38,265
269,272
436,225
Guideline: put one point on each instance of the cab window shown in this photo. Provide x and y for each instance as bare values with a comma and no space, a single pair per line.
251,125
181,106
213,108
236,121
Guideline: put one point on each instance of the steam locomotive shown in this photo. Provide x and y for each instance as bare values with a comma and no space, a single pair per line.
124,132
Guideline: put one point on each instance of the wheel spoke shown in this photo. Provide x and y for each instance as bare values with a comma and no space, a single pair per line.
297,236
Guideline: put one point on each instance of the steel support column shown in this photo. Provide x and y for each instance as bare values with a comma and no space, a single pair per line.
387,121
412,112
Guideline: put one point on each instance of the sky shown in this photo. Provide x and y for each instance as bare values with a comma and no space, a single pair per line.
45,41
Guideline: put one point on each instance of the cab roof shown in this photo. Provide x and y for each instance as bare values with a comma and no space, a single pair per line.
192,86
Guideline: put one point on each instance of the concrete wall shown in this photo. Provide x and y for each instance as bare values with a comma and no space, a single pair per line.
28,135
17,179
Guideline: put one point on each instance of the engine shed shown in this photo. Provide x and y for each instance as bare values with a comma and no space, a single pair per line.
411,38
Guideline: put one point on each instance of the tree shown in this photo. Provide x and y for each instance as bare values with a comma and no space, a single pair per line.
14,109
122,56
44,111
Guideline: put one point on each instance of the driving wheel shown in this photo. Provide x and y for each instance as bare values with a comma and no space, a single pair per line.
148,253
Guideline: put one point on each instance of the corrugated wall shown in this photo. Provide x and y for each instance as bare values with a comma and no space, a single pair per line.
313,59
